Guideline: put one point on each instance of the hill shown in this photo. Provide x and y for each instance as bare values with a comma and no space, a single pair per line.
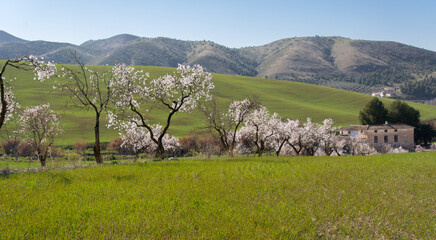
289,99
356,65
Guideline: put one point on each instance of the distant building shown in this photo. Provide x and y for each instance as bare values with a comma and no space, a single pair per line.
387,93
396,135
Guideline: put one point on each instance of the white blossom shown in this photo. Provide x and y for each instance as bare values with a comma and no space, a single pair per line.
179,91
138,138
40,125
43,70
259,129
182,89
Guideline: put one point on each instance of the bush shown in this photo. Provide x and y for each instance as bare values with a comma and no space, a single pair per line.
208,145
115,145
188,144
80,147
10,147
199,143
56,152
25,149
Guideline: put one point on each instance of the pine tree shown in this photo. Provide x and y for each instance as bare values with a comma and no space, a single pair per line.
373,113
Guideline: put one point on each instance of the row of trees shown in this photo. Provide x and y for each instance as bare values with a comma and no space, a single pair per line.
248,127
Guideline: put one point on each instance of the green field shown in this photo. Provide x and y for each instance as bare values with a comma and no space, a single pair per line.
372,197
289,99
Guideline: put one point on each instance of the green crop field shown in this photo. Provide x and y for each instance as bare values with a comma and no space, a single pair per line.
289,99
371,197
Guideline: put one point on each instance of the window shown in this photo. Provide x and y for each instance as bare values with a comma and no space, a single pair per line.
386,130
396,130
375,139
375,131
396,138
386,139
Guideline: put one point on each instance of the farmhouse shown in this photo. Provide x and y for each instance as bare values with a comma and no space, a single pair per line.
396,135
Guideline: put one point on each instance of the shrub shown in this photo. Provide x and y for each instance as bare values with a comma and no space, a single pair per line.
115,145
208,145
80,147
10,147
56,152
25,149
199,143
188,144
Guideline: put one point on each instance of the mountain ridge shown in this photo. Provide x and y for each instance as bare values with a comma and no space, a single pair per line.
356,65
9,38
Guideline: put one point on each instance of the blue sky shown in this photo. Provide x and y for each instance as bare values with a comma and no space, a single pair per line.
230,23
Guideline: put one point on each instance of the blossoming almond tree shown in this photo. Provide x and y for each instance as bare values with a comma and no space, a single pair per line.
226,122
40,125
138,138
89,90
260,128
177,92
296,139
42,71
284,131
327,137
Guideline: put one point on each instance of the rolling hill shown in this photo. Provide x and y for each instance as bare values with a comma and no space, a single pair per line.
356,65
290,99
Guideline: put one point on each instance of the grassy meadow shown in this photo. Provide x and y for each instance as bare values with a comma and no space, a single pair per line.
372,197
289,99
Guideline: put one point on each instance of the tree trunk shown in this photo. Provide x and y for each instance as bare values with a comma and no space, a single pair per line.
261,148
43,157
259,151
42,160
224,144
280,148
97,148
3,97
231,151
160,150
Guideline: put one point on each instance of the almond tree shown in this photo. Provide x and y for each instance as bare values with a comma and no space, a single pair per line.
296,138
89,90
311,137
40,125
327,136
260,128
42,71
177,92
284,131
226,122
138,138
358,146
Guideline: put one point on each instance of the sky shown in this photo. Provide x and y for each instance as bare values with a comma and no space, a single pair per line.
231,23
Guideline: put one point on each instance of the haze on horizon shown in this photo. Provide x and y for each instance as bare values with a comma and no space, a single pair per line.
233,24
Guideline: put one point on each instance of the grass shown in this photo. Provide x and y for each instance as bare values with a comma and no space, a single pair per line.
375,197
289,99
